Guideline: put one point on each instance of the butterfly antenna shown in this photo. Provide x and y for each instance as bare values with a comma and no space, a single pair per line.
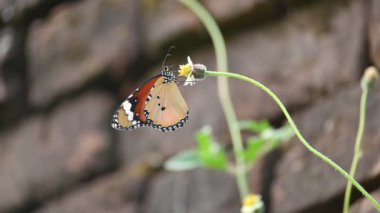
167,55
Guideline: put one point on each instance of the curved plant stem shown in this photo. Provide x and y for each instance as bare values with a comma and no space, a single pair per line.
223,90
358,151
299,135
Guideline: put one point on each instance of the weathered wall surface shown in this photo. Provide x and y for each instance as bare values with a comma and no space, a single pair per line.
65,65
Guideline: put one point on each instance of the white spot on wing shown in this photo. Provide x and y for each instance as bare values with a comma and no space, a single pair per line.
127,108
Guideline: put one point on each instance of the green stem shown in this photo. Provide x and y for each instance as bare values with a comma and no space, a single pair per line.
299,135
223,90
358,151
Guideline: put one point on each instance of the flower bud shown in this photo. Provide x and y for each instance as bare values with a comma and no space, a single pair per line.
199,72
371,75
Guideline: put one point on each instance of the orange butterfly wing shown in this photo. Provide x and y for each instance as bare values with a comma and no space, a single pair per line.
166,110
130,114
158,103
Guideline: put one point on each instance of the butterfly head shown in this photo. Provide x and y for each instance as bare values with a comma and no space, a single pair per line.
167,74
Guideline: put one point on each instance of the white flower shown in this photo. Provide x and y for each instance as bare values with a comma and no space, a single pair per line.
190,80
187,71
192,72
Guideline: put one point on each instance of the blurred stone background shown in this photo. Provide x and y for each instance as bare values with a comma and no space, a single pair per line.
65,65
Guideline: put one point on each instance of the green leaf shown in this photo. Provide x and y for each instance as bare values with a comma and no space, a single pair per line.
285,133
278,136
210,153
217,160
267,141
204,139
182,161
255,147
254,126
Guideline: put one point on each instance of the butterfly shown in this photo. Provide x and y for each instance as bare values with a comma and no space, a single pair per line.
158,103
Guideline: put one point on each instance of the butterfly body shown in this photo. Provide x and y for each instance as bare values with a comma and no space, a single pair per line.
157,103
